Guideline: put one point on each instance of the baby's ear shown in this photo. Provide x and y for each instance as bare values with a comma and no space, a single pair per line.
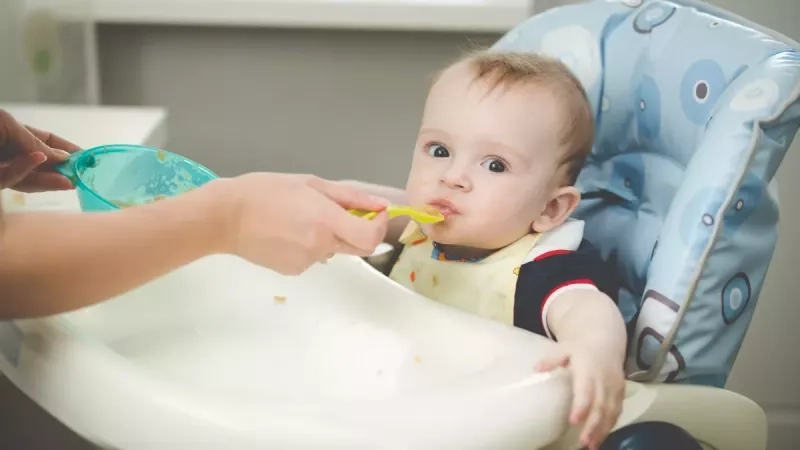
562,203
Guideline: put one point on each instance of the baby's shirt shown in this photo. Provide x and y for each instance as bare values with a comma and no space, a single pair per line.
514,285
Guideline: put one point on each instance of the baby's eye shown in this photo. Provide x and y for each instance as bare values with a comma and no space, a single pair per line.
495,165
438,151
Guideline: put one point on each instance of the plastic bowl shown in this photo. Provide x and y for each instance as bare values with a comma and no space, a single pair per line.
111,177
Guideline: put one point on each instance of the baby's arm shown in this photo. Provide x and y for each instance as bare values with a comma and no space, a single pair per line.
592,340
56,262
563,292
395,195
589,318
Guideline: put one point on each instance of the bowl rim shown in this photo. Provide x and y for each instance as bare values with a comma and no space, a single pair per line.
118,148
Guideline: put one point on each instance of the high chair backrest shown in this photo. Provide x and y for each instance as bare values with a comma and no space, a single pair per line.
695,109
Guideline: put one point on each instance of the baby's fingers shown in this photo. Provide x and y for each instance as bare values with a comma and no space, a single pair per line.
596,427
552,361
582,397
612,408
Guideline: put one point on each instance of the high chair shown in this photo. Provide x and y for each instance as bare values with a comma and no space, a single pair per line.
695,109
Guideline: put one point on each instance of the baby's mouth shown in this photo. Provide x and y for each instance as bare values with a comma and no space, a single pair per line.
443,206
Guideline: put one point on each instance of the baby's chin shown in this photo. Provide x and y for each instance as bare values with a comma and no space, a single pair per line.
449,236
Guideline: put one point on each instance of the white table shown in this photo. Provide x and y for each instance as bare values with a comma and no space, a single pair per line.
87,126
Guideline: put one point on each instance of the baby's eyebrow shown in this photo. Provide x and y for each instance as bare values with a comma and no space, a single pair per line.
434,131
500,146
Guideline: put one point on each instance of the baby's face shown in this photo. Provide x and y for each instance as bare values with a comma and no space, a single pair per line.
486,159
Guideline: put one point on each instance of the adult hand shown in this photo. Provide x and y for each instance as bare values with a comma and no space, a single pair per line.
288,222
28,155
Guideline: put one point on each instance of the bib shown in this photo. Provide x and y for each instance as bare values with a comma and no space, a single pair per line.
485,287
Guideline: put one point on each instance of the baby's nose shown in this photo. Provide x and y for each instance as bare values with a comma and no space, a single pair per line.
456,178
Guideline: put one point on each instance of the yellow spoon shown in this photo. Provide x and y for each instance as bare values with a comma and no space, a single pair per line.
426,214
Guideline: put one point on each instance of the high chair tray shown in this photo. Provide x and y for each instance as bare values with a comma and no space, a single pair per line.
225,354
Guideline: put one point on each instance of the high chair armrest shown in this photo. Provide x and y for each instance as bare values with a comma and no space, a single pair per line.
718,419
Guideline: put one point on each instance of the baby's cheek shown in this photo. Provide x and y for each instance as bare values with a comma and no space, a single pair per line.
507,234
416,196
489,228
503,229
413,188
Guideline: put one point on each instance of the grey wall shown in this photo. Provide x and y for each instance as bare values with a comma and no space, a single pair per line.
340,104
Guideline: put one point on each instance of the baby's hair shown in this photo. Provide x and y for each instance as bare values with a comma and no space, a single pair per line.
504,69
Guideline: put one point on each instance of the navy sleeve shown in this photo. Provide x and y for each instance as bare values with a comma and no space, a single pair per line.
539,278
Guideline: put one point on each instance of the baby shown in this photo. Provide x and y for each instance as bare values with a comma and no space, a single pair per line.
502,140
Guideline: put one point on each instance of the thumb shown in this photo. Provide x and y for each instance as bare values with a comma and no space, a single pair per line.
554,360
349,197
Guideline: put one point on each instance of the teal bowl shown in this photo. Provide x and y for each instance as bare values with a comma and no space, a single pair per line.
111,177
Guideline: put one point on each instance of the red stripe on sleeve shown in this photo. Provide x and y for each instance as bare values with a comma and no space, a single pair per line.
563,285
551,253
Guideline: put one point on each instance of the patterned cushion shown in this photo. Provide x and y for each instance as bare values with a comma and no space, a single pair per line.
695,109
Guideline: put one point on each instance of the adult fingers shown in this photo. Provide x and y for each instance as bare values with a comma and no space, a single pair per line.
28,142
9,132
53,141
347,248
362,234
16,140
43,182
348,197
19,168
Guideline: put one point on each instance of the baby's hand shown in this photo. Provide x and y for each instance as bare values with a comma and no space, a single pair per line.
598,389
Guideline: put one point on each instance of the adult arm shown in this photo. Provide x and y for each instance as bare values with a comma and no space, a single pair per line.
57,262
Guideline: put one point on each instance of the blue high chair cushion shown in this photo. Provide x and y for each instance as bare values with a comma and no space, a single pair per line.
695,109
